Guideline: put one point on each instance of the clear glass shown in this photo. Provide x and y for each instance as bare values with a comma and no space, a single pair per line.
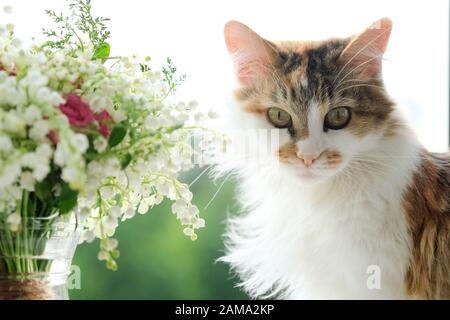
35,260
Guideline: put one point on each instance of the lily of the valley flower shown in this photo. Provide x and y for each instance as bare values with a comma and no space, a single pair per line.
95,134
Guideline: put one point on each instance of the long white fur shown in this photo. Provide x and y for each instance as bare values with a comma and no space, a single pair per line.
295,240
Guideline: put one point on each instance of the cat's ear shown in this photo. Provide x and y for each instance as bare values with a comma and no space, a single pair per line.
252,55
364,53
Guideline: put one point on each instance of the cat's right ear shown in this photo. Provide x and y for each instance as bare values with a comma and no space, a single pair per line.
252,55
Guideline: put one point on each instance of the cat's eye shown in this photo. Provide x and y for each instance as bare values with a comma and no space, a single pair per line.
338,118
279,118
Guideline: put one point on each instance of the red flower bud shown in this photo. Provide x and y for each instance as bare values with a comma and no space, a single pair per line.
10,73
53,136
78,112
104,119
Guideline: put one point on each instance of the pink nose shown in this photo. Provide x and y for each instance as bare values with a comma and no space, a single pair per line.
308,159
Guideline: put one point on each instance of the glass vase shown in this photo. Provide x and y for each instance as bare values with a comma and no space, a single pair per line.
35,259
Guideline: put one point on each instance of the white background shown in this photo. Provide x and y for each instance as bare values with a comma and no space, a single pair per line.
191,32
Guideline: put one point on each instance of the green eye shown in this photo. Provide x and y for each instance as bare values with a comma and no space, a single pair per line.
279,118
338,118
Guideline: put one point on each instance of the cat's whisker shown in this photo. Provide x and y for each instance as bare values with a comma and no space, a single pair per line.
343,100
358,80
217,191
200,175
359,66
373,161
369,43
359,85
388,156
370,164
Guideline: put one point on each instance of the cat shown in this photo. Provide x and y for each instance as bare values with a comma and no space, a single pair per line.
353,207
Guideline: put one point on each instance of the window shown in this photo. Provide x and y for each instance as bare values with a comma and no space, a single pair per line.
416,68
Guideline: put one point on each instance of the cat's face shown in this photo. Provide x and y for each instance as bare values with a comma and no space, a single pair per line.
326,98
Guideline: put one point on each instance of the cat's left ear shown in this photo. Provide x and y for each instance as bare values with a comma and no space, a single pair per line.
365,51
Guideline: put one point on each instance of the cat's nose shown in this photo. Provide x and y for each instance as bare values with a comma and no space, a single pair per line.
308,159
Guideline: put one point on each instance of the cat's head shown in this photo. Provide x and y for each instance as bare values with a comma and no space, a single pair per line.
327,98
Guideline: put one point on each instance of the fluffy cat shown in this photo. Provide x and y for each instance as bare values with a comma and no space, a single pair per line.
351,205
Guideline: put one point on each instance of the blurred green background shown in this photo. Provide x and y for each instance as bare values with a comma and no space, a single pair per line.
158,261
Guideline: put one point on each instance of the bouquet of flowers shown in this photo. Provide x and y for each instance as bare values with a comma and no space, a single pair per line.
87,137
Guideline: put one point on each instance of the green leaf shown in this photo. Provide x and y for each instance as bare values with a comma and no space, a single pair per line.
68,199
118,133
42,191
144,67
118,199
126,160
102,52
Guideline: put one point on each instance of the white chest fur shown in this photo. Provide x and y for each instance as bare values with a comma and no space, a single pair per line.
298,245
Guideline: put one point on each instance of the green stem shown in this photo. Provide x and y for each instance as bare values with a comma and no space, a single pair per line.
24,214
79,39
19,249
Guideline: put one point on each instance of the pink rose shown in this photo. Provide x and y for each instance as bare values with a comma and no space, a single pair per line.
78,112
104,120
